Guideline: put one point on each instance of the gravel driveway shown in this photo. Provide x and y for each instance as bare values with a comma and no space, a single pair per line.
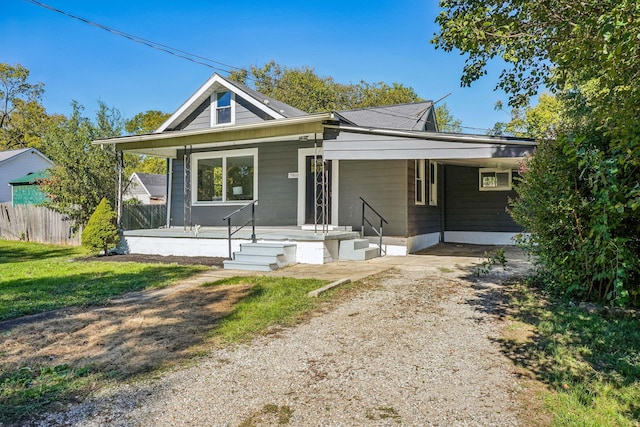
417,350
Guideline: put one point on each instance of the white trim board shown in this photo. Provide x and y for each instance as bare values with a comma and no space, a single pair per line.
480,237
302,179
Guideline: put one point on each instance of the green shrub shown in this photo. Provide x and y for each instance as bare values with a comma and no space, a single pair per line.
101,232
578,199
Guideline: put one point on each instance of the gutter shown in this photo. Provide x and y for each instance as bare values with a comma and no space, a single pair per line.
437,136
312,118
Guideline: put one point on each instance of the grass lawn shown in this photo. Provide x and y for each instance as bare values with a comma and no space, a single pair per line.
230,310
36,278
589,361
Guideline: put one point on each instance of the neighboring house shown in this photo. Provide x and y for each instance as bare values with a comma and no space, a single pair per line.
26,190
229,145
147,188
15,164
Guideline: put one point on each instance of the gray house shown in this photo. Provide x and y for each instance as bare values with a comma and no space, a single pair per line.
230,146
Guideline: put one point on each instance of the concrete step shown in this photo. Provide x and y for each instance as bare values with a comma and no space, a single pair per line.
242,256
240,265
262,256
356,250
266,248
354,244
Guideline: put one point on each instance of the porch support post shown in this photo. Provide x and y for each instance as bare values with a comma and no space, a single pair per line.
120,169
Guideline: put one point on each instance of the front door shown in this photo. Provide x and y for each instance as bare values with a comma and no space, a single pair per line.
317,191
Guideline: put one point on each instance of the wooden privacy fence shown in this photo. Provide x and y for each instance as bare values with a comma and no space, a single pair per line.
137,217
36,224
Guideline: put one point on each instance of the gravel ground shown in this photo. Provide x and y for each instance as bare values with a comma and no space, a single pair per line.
418,350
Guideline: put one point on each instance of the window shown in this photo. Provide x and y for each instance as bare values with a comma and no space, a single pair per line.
433,183
224,177
223,108
420,184
495,180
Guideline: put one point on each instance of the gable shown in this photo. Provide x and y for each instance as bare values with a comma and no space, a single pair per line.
238,104
244,111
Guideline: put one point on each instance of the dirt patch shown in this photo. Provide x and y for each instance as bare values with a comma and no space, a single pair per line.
161,259
124,339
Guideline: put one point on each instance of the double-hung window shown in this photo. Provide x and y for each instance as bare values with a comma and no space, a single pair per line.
224,177
223,108
420,182
433,183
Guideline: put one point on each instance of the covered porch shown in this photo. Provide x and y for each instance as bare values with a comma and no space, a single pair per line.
306,245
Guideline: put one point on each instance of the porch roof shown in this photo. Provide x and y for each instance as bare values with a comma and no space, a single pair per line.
166,144
357,143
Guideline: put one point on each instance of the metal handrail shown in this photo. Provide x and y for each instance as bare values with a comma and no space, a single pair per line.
252,221
378,232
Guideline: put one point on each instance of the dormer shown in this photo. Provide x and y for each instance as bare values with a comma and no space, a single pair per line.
222,102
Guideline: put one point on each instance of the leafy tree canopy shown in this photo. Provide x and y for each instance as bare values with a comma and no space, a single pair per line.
304,89
446,121
561,45
542,121
147,122
579,196
144,123
23,119
84,173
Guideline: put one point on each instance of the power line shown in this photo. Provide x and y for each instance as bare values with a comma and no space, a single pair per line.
150,43
201,60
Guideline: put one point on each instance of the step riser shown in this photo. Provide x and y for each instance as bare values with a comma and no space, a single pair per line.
354,244
234,265
361,255
259,259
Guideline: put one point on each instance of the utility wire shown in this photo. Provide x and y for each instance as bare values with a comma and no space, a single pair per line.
201,60
150,43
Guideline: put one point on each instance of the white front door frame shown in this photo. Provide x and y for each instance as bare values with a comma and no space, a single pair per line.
302,188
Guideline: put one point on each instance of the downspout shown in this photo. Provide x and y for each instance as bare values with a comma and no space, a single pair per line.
169,191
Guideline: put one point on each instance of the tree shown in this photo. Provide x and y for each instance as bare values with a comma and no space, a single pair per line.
579,196
543,121
446,121
144,123
101,232
304,89
84,173
23,120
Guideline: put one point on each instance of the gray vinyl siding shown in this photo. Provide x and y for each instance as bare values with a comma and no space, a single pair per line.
249,113
201,117
277,194
383,184
469,209
422,219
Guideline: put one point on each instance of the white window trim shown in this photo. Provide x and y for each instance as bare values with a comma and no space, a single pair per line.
433,185
224,155
214,108
495,170
420,167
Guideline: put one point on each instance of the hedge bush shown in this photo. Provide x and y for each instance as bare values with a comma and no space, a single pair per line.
101,233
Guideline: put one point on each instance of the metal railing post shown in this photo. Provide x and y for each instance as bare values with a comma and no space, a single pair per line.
229,239
253,222
362,228
380,246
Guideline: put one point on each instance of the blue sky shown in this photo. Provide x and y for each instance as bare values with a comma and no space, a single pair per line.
348,40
